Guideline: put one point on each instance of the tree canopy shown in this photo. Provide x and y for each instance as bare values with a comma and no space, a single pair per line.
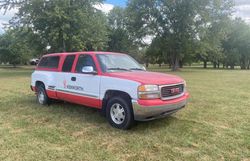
153,31
65,25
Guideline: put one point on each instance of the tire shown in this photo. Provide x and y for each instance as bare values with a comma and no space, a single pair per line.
42,97
119,113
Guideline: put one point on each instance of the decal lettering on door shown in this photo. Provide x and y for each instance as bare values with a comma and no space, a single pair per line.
77,88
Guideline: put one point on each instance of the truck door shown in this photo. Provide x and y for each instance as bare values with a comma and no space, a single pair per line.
82,86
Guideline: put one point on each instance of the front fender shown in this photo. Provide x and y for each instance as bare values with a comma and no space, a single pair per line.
118,84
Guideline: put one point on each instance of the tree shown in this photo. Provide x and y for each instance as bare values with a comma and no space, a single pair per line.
120,39
14,49
171,21
65,25
236,46
213,29
184,27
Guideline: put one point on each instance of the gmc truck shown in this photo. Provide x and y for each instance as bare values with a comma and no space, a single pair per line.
114,83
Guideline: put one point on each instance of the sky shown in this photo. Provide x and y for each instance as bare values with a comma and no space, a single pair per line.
242,9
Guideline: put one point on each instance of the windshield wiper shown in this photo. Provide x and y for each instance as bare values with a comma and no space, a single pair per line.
118,69
136,69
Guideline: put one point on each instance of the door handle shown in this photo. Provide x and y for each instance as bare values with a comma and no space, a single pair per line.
73,78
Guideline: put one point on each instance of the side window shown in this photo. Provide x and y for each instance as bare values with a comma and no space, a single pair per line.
83,61
49,62
53,61
43,62
68,63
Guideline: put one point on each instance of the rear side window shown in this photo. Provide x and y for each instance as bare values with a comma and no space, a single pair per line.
43,62
68,63
49,62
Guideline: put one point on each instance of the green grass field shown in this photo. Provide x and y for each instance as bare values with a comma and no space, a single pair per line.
214,126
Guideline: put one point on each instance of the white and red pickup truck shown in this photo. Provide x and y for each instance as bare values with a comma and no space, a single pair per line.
112,82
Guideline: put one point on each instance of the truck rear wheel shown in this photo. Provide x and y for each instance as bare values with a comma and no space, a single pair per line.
42,97
119,113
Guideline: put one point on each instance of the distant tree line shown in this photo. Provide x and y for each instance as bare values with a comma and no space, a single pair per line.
173,32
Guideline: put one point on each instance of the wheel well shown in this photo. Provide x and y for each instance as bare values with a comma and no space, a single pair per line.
38,83
111,93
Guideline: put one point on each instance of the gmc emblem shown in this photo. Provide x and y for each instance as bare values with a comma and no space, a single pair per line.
175,90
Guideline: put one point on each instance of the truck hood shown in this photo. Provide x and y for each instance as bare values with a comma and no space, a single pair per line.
145,77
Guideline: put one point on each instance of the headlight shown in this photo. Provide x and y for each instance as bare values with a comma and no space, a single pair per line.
148,92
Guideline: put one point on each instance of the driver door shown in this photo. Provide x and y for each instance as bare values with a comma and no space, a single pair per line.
83,87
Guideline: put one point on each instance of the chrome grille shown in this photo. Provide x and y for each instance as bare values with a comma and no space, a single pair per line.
172,91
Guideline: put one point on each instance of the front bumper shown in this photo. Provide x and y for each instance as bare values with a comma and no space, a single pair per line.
33,88
151,112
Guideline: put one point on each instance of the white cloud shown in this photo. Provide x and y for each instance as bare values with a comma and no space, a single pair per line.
241,2
2,22
106,8
242,9
4,18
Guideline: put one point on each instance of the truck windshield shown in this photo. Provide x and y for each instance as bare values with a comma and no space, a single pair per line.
118,62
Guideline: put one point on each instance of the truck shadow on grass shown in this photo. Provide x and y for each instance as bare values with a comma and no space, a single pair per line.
59,111
78,122
92,115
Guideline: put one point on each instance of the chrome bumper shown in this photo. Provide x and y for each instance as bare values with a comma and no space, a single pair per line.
145,113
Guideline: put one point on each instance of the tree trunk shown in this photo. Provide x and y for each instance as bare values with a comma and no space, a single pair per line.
159,64
170,64
232,66
218,65
215,64
243,66
62,41
204,64
175,64
181,64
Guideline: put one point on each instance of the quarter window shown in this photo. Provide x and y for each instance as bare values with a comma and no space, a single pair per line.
49,62
68,63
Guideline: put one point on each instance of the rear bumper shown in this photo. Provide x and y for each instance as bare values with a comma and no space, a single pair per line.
151,112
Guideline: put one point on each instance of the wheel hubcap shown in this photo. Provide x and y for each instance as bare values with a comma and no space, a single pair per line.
117,113
41,97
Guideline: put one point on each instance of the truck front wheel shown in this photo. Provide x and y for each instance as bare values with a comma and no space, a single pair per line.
119,113
42,96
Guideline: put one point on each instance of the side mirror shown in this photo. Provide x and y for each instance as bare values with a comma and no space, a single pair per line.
88,70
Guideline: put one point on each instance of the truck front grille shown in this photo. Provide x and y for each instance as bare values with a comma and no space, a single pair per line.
172,91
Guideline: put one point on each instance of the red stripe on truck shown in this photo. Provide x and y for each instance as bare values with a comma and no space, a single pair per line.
82,100
51,94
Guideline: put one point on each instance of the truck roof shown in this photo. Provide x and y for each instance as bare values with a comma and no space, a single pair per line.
81,52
